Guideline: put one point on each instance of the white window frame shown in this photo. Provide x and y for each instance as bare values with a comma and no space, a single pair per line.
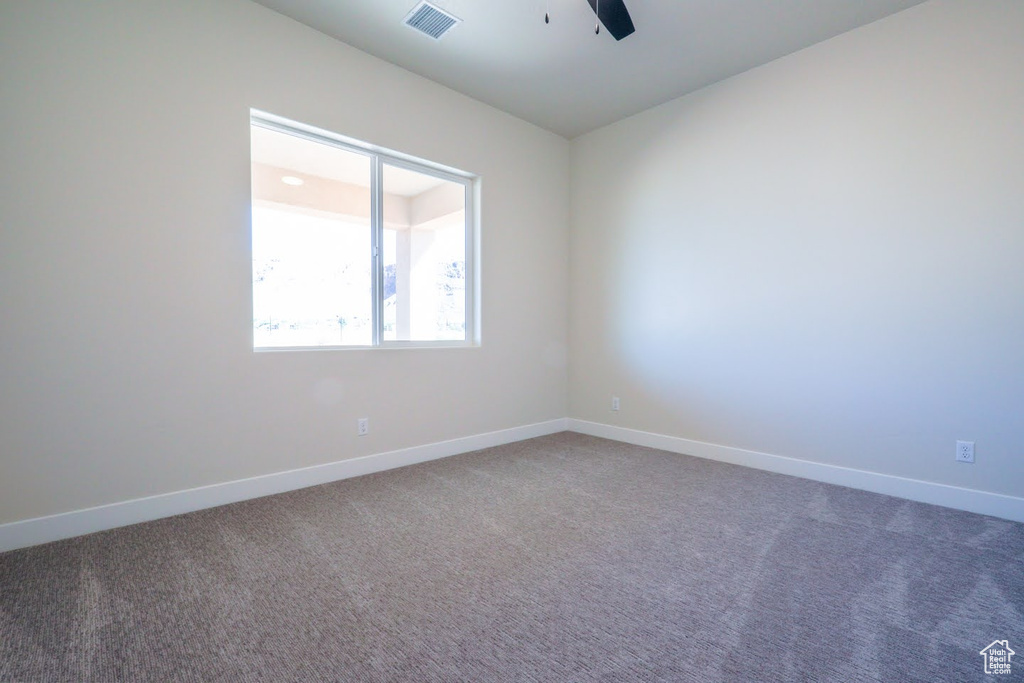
378,157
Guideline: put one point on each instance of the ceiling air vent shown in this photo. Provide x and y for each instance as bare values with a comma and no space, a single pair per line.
431,20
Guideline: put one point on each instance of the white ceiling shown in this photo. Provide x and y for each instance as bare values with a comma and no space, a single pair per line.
564,78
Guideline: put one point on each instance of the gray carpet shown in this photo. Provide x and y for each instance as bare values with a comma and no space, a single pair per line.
564,558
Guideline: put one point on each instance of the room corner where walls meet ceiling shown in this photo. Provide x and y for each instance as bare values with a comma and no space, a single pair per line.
564,78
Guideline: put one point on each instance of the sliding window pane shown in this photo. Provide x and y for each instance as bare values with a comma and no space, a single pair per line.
424,257
311,243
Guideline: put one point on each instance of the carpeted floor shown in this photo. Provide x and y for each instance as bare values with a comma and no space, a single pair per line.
564,558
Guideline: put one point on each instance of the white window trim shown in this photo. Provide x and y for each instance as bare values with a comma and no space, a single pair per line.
378,157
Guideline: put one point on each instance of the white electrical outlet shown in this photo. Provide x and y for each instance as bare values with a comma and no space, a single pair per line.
965,451
615,402
363,426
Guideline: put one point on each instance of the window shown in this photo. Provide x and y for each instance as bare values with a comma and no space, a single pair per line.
353,246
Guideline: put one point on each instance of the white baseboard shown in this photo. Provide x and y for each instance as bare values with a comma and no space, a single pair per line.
66,525
982,502
78,522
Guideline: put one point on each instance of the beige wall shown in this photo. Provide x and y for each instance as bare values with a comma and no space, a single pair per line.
822,258
819,258
126,360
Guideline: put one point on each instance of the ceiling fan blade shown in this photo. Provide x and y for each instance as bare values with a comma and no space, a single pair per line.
615,17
